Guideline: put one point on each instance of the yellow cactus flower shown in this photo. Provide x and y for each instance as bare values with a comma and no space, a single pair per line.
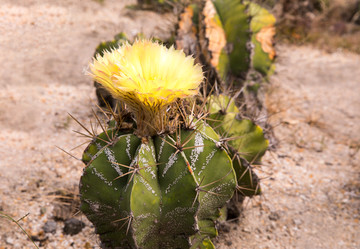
147,77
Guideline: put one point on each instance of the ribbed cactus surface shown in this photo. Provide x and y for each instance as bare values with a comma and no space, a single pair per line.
235,38
159,192
245,140
225,36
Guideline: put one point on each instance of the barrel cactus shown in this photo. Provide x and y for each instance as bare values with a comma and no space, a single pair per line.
263,32
235,38
159,178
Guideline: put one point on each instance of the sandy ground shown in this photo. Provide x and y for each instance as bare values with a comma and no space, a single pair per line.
311,182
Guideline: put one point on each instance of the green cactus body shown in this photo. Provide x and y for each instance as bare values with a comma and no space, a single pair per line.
262,22
159,192
226,33
234,19
245,139
237,37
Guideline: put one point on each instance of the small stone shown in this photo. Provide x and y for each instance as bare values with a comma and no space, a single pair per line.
297,222
39,237
9,241
228,243
274,216
345,201
42,210
73,226
49,227
88,246
224,227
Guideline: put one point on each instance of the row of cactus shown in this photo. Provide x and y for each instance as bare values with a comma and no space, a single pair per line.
233,38
226,114
166,189
161,173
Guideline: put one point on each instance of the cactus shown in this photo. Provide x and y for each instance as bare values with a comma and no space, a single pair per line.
235,39
159,175
160,180
263,31
134,190
224,37
187,30
245,140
